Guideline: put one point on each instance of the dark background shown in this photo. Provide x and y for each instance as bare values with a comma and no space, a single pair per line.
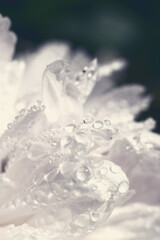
125,28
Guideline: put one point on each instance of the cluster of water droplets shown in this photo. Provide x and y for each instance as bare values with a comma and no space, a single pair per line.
67,178
25,124
86,79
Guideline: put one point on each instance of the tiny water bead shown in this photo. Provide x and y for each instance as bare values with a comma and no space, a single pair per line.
88,119
111,132
23,111
123,187
85,69
107,122
9,125
94,216
98,124
70,128
80,137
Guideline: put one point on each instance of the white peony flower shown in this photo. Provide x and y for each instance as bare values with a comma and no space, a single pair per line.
74,164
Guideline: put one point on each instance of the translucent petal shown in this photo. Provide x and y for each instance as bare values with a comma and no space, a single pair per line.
35,63
141,162
60,95
135,221
65,183
10,80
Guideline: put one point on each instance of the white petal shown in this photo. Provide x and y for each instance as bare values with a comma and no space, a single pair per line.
7,39
120,105
135,221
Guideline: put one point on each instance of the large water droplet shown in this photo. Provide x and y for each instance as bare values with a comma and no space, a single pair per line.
66,168
83,173
115,169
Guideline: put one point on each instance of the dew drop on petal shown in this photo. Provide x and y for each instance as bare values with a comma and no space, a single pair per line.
94,216
66,168
23,111
88,119
80,136
70,128
107,122
83,173
123,187
115,169
98,124
9,125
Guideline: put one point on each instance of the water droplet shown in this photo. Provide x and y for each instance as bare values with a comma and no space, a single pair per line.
66,168
23,111
34,108
107,122
50,195
53,142
80,136
70,128
84,70
111,133
128,147
123,187
9,125
94,216
90,74
88,119
98,124
115,169
83,173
